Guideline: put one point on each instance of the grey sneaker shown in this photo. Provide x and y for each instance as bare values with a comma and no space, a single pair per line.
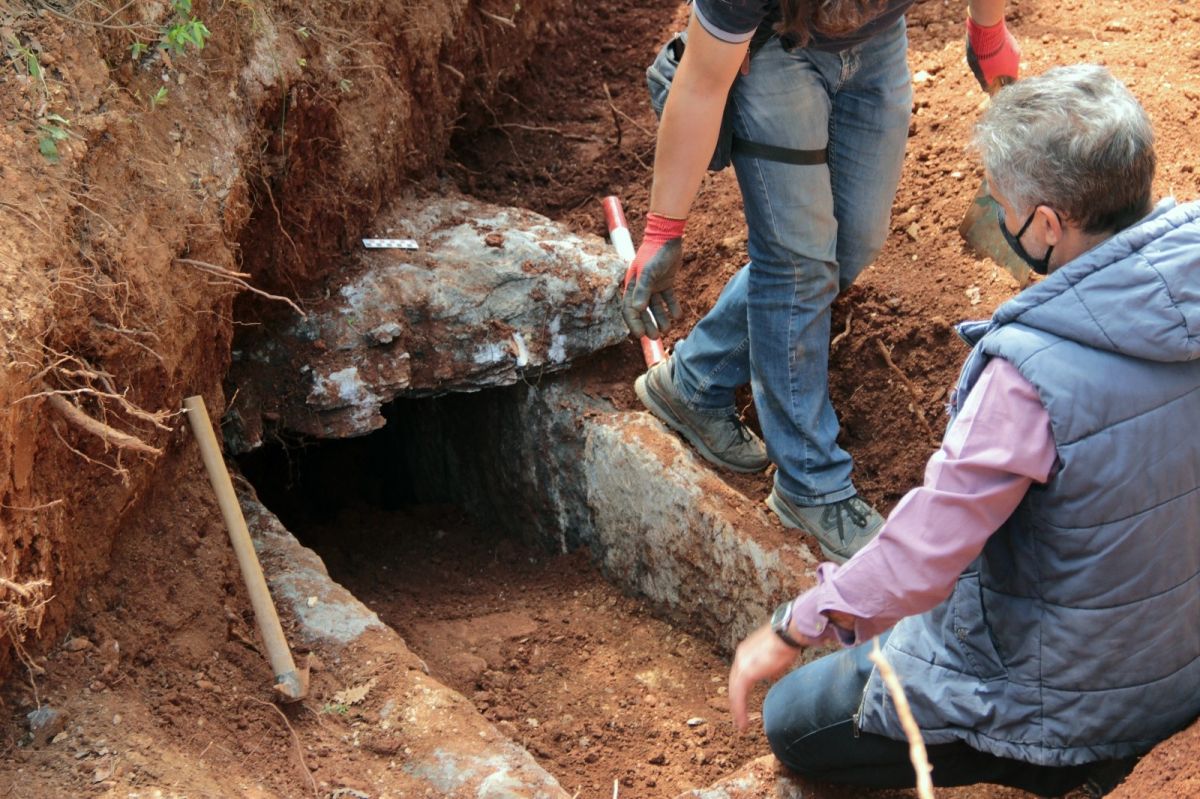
841,528
724,441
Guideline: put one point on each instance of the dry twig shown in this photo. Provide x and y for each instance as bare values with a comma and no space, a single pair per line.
912,390
916,744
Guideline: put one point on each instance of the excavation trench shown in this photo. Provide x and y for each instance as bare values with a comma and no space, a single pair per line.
430,524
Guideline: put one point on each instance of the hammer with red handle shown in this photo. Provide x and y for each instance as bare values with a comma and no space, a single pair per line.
618,233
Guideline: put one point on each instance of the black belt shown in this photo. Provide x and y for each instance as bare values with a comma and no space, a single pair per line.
784,155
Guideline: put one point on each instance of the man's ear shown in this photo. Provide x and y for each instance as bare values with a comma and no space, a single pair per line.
1054,229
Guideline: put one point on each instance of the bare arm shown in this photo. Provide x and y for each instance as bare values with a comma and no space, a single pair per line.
986,12
692,119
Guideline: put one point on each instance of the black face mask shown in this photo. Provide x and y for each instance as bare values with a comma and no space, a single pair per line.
1039,265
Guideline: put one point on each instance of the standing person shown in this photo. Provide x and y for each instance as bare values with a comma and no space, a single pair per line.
831,86
1043,586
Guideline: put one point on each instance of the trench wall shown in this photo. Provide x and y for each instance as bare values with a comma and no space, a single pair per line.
265,153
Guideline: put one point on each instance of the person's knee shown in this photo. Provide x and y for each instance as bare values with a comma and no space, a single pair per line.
783,727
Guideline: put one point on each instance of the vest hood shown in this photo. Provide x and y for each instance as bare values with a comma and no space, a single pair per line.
1153,266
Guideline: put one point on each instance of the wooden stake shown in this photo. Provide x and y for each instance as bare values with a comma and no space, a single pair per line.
291,684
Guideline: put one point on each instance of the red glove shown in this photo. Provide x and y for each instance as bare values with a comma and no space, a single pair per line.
992,54
649,302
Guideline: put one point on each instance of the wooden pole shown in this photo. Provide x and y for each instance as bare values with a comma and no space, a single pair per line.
288,681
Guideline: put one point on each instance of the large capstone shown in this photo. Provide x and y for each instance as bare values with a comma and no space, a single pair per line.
490,296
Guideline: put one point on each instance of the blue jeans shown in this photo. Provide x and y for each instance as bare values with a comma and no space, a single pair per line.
812,229
809,720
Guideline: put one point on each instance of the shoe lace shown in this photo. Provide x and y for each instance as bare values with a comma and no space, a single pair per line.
832,516
739,427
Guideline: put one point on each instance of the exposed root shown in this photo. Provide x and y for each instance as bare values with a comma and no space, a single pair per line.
295,738
616,119
912,390
237,279
110,435
505,21
545,129
916,744
22,607
838,338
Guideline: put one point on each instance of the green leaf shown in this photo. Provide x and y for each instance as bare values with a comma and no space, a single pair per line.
48,148
31,61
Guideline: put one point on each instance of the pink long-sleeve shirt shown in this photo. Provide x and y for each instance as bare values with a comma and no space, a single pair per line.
999,444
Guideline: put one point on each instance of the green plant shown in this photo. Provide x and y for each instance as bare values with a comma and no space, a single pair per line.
335,707
137,50
186,30
50,133
158,98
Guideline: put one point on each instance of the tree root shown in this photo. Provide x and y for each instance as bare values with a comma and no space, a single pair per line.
73,414
912,390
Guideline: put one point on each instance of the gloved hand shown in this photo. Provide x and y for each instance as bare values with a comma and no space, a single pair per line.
649,302
992,54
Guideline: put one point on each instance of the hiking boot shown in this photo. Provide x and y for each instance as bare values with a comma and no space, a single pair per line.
841,528
724,441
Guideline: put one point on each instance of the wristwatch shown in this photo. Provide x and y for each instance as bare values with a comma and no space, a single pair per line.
781,620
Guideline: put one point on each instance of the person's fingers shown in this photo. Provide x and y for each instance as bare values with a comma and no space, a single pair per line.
738,691
662,314
650,324
672,303
632,315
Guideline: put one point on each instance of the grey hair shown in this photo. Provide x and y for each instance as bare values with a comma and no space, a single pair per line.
1072,138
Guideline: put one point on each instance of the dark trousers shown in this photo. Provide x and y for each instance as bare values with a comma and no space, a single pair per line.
808,719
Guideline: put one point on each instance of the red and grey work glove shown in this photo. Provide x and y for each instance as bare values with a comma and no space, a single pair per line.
992,54
649,303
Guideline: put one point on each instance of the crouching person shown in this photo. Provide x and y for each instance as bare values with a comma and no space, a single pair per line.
1042,588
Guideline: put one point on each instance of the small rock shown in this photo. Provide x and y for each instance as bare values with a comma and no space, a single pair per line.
658,759
695,721
494,239
116,719
700,757
650,700
385,333
921,77
44,724
913,231
893,303
1117,26
206,685
311,601
973,294
77,644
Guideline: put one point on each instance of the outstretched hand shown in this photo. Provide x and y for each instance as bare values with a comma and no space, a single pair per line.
761,656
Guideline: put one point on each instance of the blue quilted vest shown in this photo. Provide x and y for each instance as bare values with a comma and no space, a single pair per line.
1075,636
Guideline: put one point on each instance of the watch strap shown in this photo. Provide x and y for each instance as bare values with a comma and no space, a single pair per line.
781,621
